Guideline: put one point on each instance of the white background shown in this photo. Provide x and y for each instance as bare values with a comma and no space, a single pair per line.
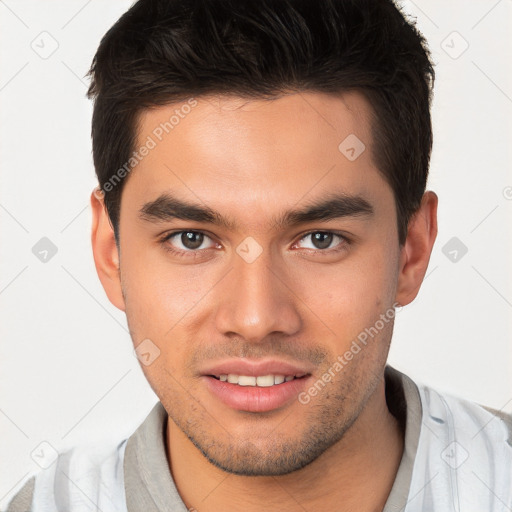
68,373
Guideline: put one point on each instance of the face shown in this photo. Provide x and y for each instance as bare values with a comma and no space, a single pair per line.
254,251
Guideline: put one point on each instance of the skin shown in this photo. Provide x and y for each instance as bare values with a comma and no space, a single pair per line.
252,160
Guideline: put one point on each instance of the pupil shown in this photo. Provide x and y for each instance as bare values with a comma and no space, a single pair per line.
322,240
192,240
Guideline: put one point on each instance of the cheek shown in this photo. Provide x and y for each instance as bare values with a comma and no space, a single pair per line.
162,299
350,296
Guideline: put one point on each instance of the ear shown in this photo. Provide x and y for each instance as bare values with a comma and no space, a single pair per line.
105,252
415,253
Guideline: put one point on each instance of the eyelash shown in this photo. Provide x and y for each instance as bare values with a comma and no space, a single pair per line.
345,241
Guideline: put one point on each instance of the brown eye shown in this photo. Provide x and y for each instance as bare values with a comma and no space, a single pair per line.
191,239
192,242
323,241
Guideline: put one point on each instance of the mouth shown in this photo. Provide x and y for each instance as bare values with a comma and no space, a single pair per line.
261,381
255,386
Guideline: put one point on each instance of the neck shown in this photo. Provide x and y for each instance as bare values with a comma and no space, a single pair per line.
357,473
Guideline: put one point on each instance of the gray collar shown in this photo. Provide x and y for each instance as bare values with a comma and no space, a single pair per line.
404,402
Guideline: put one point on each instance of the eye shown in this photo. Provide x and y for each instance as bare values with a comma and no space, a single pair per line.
186,241
322,240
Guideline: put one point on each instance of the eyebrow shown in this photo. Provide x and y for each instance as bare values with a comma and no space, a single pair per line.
167,207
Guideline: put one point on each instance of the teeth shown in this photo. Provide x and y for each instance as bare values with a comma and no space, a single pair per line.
263,381
244,380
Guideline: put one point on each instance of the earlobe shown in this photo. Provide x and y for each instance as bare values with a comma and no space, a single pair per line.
105,252
416,251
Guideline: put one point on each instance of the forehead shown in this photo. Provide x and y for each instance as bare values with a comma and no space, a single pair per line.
250,156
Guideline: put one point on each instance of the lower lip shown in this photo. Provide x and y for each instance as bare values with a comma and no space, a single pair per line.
254,398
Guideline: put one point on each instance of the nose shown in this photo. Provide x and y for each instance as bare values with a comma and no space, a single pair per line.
256,301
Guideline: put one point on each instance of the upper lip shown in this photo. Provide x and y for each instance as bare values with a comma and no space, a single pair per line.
255,368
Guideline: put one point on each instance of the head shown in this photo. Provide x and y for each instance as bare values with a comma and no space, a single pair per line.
262,170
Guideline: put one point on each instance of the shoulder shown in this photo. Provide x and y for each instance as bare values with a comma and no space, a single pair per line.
461,415
503,417
464,454
80,477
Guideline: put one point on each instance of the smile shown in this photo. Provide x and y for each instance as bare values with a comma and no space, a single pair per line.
263,381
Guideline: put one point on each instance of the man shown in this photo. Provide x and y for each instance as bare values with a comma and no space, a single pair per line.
261,213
